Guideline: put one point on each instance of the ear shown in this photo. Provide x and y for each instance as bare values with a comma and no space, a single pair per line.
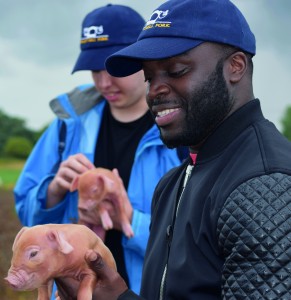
59,239
108,183
237,66
19,234
74,184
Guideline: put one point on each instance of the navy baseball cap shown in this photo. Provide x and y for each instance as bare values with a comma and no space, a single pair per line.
177,26
106,30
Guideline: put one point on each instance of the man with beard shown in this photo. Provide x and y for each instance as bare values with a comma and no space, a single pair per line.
220,226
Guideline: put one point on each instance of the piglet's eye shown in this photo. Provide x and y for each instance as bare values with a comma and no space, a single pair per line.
33,254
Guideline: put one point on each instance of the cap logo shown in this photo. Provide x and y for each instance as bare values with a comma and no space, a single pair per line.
93,34
155,20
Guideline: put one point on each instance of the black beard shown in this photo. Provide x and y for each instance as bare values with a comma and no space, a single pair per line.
208,105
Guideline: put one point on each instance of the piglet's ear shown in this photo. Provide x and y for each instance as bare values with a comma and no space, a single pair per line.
18,237
74,184
109,183
59,240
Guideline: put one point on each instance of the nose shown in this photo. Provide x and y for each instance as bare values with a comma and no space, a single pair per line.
102,80
157,89
9,281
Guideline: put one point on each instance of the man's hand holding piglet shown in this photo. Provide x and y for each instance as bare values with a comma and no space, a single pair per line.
74,166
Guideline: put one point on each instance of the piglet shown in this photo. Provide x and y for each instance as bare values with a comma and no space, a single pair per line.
101,194
44,253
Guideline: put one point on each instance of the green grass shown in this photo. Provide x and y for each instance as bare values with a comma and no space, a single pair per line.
10,170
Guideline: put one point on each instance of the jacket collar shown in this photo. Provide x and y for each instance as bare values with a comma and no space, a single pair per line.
75,103
230,128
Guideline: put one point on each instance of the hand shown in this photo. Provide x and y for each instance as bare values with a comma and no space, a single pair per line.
110,284
68,170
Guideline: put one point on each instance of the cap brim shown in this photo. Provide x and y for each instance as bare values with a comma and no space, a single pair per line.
94,59
129,60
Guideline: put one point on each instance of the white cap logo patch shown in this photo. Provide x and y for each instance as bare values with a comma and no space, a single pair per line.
92,31
156,19
94,34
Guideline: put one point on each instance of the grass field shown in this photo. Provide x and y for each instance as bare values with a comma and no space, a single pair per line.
9,226
9,172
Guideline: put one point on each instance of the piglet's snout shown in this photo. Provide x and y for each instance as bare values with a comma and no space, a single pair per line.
16,280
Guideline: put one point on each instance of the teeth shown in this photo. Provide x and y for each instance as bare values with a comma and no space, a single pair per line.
166,112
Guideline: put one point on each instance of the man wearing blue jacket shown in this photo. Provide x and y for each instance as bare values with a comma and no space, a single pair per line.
111,128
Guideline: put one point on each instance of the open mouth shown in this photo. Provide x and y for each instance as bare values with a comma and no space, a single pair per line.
167,116
165,112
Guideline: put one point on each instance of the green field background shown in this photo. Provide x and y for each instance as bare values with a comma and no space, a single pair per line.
10,170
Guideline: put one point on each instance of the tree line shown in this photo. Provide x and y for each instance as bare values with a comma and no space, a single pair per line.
17,140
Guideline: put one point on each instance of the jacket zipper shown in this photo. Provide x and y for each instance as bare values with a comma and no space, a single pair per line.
187,176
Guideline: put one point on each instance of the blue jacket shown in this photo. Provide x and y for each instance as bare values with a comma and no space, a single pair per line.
81,110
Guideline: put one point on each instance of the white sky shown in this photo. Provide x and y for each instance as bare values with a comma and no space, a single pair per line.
39,44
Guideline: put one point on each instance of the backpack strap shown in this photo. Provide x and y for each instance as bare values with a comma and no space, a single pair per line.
81,99
62,138
62,145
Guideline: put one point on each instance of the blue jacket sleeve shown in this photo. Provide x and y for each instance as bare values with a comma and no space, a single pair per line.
140,225
31,187
146,173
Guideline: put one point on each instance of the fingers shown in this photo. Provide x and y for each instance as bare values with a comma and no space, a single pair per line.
57,297
75,165
116,173
97,264
104,273
110,284
68,170
60,292
67,288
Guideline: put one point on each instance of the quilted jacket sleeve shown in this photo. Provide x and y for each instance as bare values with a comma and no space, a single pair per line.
254,236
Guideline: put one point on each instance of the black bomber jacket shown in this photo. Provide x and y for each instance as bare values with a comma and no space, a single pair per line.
230,237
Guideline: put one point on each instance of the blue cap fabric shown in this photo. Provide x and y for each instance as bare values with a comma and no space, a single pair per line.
177,26
106,30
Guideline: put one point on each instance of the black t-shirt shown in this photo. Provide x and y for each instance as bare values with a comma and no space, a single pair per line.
116,146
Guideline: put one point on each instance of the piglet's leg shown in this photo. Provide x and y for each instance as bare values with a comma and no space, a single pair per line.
105,219
124,222
45,291
126,228
86,287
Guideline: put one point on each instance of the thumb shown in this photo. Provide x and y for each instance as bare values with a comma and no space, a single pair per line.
98,265
109,283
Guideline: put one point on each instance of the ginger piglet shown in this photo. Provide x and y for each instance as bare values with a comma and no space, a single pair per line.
101,195
44,253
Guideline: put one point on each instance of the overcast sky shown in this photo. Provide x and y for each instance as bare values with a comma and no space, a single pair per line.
39,44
